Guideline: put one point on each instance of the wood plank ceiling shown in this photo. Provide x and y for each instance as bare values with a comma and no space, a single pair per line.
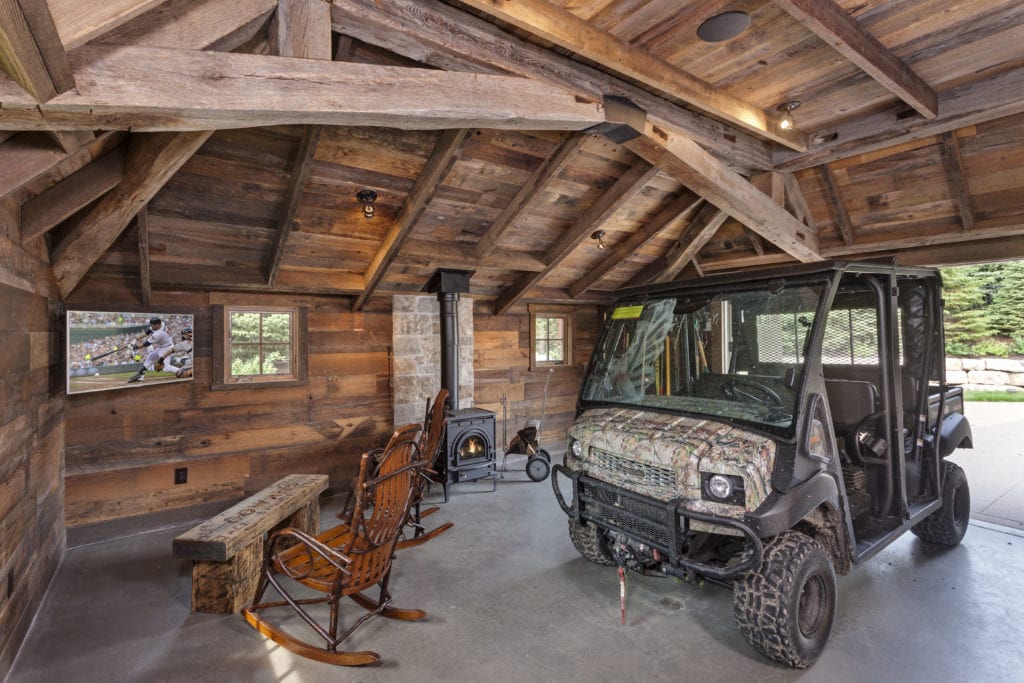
483,127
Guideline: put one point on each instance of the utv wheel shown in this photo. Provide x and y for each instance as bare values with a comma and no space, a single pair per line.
785,607
537,468
588,543
948,524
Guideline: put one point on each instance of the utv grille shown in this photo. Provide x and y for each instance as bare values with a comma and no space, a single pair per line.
641,473
637,518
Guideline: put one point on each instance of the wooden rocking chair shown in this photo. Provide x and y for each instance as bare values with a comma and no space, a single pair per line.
430,450
347,560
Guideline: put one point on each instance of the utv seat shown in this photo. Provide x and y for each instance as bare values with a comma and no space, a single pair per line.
850,402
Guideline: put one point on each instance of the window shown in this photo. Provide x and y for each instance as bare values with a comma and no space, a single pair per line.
260,345
551,337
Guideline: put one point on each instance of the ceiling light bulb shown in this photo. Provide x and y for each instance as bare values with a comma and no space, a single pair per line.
599,236
786,122
368,211
367,198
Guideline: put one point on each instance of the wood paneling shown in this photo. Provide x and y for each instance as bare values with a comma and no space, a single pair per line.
31,439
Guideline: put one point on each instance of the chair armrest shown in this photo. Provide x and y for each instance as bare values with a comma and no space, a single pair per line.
338,560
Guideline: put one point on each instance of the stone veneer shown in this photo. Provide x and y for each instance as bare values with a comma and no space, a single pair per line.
416,343
986,374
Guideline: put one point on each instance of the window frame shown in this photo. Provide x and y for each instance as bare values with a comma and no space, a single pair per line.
222,352
568,317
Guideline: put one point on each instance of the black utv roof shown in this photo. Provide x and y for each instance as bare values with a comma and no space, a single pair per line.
780,272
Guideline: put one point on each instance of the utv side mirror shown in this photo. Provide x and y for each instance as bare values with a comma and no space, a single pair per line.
790,378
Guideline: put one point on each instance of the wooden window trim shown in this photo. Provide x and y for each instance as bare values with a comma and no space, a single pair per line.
221,368
569,314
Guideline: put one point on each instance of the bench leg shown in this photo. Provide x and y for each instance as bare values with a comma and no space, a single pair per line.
306,518
226,587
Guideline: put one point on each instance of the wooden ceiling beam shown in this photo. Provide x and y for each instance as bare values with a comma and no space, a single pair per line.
302,29
796,202
673,152
210,24
958,186
700,231
446,152
631,182
79,21
32,55
142,224
832,24
968,105
159,89
434,255
151,160
47,210
680,209
836,203
694,236
445,37
563,28
537,182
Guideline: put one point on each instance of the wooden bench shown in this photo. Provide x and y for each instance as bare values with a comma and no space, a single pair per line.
227,550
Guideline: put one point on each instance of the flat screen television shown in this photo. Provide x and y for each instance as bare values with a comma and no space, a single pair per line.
123,350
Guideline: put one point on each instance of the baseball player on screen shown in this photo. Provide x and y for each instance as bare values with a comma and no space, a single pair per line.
160,345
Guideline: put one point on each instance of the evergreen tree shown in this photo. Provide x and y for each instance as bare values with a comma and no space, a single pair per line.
1007,309
967,318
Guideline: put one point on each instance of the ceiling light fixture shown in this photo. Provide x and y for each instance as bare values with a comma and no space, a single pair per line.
786,122
724,26
599,236
367,198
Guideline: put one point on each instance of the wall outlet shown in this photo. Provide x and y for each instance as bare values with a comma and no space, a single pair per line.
180,475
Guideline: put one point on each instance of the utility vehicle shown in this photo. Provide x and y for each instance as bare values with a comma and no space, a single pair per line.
766,431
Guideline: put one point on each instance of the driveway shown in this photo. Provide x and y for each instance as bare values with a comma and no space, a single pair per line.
995,466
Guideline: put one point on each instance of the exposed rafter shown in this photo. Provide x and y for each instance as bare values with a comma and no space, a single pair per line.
680,209
150,162
796,202
79,22
301,28
430,31
837,28
536,183
446,153
836,203
631,182
695,235
958,180
158,89
44,212
680,157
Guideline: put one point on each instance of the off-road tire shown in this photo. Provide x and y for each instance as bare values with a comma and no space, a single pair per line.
588,543
785,607
537,468
948,524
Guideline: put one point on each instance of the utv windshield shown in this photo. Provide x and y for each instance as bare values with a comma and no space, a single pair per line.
737,355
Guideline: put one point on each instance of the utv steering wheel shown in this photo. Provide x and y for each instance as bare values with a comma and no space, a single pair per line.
749,391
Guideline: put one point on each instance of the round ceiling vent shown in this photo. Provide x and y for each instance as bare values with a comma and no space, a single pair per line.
723,26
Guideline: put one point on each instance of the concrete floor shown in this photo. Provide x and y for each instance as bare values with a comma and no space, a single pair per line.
995,466
510,600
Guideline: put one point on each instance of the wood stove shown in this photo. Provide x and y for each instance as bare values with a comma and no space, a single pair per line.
469,448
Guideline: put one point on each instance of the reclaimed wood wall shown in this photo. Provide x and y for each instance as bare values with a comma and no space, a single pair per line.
502,361
31,435
123,446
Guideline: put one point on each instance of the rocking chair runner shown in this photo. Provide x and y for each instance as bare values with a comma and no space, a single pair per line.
347,560
430,450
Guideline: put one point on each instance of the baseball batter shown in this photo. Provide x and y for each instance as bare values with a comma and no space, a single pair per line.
160,345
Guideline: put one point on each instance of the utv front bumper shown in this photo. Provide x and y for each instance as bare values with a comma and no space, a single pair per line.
663,525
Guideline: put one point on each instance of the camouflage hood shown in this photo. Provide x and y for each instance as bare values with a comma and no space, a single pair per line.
662,455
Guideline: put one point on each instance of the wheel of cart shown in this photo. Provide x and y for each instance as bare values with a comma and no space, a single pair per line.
527,440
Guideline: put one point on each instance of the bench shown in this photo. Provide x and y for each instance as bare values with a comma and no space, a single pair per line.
227,550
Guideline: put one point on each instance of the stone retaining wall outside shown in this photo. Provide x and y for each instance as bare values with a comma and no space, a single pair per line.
986,374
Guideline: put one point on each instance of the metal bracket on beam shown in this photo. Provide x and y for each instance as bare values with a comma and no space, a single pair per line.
623,120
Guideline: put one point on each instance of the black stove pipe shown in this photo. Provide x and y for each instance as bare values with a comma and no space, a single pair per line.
449,302
448,284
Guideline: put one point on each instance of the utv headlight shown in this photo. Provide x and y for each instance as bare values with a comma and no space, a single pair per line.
722,488
576,448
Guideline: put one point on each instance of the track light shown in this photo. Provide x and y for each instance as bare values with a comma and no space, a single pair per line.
367,198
